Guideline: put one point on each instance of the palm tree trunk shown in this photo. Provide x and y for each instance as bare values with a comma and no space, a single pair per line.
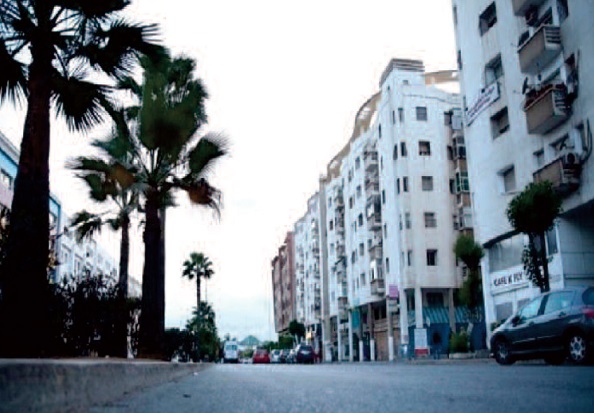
121,349
25,330
198,298
152,316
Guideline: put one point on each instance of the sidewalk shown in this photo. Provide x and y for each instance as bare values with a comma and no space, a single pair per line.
73,385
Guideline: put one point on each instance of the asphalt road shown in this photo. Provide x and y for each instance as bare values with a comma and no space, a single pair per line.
448,387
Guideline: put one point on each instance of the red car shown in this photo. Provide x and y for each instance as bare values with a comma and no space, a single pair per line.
261,357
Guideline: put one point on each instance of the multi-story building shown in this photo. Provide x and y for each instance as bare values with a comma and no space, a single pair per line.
283,285
529,110
71,256
308,263
9,159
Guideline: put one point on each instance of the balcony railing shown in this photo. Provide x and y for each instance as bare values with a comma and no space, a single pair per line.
370,159
378,286
546,109
521,6
540,49
564,176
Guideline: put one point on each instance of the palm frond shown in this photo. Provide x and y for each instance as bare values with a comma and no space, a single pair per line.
203,156
82,103
86,224
93,9
13,80
89,164
202,193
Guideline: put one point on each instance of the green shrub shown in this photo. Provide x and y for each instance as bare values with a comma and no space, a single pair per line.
459,342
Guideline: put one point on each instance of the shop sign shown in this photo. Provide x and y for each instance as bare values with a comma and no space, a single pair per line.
487,96
393,291
508,279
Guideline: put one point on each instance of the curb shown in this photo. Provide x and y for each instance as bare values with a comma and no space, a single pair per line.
43,385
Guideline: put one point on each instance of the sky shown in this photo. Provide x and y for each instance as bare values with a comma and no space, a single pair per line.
285,81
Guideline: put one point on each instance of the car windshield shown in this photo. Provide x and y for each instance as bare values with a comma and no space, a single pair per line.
588,296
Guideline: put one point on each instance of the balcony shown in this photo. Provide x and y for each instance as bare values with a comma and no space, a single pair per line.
370,159
378,286
521,6
372,184
540,49
343,305
564,175
546,109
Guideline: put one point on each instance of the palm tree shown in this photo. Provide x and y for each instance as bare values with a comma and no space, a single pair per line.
198,267
50,52
161,135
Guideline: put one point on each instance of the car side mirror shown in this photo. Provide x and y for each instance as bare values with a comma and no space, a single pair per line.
515,320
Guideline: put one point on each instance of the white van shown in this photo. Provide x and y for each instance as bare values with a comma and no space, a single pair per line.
231,352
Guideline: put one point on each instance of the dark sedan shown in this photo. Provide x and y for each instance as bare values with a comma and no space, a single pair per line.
553,326
304,354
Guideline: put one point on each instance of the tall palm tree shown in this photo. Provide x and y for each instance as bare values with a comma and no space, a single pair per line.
161,134
50,52
198,267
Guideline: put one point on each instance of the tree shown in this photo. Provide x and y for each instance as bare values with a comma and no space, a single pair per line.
297,329
197,267
50,53
533,212
161,135
470,253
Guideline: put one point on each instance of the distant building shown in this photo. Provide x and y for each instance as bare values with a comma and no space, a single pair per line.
283,283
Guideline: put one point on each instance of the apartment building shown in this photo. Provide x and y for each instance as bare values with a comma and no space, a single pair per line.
308,284
72,257
283,285
528,115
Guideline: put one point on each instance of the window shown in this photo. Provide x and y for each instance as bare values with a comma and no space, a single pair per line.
379,131
357,163
383,196
331,225
421,113
509,179
499,123
359,191
409,257
351,202
558,301
387,265
403,152
330,201
452,186
435,299
6,179
427,183
353,257
450,151
401,115
430,220
431,258
531,309
360,218
405,184
562,10
539,158
361,249
462,184
506,253
400,221
424,148
455,13
395,153
551,240
560,145
487,19
407,222
363,280
393,117
397,185
459,60
385,230
493,70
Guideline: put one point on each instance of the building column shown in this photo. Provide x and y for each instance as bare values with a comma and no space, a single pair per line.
361,356
404,340
452,310
419,322
351,357
390,331
339,338
371,327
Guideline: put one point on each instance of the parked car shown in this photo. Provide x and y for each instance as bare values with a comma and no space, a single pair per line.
283,356
553,326
261,357
304,353
275,356
291,357
231,352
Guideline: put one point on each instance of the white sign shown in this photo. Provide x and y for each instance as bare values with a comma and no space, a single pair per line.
487,96
421,338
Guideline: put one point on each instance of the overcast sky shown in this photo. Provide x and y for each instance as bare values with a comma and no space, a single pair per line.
285,82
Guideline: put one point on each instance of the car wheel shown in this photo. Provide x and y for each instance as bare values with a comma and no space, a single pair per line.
577,348
502,354
555,359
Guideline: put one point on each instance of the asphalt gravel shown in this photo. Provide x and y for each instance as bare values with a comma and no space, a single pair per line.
371,387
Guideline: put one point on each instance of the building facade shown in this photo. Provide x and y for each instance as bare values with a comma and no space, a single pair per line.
283,285
528,117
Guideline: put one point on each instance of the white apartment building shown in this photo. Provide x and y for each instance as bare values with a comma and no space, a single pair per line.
528,94
391,217
308,272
